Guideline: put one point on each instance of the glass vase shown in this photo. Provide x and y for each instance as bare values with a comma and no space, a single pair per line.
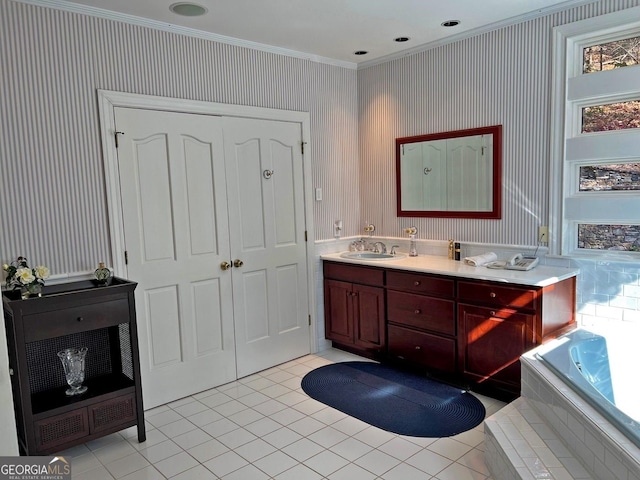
73,362
33,290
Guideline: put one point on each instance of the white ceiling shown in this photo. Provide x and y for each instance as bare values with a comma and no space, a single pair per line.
332,29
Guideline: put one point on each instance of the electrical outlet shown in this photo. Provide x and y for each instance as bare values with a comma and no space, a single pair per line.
543,234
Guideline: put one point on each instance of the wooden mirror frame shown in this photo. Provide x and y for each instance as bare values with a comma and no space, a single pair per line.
496,210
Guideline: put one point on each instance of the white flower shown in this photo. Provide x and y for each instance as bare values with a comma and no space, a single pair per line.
5,267
24,276
41,272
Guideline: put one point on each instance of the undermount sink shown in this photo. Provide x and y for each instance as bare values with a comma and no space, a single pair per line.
372,256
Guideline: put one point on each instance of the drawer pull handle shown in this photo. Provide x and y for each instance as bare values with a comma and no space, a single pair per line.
416,283
80,319
417,311
492,295
493,313
418,347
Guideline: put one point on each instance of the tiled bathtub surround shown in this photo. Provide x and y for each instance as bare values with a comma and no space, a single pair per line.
602,449
550,428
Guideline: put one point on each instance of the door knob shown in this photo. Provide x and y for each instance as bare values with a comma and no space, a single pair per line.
225,266
238,263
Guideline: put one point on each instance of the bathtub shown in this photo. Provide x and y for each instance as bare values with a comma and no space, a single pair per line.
598,366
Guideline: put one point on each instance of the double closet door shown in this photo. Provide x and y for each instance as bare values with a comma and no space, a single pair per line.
213,214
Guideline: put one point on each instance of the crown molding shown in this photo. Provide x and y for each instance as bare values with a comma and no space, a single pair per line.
190,32
476,31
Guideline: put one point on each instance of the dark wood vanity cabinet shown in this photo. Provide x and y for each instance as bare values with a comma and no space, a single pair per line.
354,307
498,323
77,314
470,331
421,320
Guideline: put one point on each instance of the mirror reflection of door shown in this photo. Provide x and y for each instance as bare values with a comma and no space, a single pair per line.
453,174
469,183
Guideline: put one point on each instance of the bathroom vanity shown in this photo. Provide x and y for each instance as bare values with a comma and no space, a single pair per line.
465,324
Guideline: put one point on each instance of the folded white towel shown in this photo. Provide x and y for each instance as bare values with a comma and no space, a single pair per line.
479,260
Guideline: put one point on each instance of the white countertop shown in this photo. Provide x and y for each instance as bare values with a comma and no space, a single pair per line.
540,276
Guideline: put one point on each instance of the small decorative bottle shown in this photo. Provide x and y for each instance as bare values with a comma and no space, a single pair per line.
102,274
451,250
457,251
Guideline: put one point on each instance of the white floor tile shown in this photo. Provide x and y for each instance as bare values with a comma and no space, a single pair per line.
429,462
265,427
351,449
226,463
124,466
282,437
255,450
174,429
248,472
197,473
326,463
328,437
147,473
190,408
303,449
275,463
403,471
299,472
455,471
97,473
352,472
179,463
449,448
236,438
400,448
192,438
207,450
377,462
160,451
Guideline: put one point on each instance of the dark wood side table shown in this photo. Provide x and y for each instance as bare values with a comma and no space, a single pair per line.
76,314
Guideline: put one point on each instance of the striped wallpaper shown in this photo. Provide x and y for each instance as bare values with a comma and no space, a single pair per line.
52,189
51,64
500,77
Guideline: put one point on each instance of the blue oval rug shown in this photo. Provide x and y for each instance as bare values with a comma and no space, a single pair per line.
396,401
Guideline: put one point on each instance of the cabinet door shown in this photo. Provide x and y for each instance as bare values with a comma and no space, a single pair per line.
368,315
338,311
491,342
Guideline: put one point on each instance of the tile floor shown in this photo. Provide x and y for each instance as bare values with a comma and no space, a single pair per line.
265,427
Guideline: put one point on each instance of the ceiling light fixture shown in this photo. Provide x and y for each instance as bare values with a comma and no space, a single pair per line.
360,52
187,9
450,23
401,39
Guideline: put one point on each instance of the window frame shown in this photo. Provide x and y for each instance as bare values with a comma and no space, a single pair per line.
573,90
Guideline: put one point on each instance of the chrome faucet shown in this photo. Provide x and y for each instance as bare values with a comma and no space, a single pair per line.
382,250
393,249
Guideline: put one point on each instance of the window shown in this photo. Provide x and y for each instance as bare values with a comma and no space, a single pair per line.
595,201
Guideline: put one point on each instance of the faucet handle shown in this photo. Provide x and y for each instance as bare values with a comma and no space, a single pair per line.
393,249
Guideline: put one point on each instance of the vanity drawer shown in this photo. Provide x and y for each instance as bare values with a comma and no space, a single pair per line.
422,348
498,295
419,283
419,311
355,274
66,321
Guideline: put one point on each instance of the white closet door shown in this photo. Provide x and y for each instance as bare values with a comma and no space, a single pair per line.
174,201
267,231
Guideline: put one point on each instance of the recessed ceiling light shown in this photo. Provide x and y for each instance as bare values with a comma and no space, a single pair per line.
360,52
401,39
187,9
450,23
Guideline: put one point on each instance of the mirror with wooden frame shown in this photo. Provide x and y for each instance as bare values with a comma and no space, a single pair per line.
453,174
